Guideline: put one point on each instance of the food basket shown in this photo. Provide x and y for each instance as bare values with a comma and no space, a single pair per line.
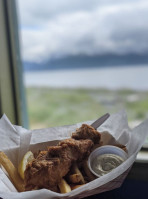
16,141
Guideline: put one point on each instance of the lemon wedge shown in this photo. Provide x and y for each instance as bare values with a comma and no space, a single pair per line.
28,157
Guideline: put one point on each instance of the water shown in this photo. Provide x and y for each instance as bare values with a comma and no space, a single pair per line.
111,78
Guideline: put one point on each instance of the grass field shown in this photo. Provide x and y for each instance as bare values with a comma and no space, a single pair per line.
54,107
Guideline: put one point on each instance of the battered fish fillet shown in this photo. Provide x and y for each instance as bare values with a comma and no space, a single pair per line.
47,169
87,132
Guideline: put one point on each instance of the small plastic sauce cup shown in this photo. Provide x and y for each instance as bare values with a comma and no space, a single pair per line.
107,149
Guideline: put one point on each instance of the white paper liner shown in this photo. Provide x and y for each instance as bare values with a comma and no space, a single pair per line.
17,141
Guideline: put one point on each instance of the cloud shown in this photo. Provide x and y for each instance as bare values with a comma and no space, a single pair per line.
61,29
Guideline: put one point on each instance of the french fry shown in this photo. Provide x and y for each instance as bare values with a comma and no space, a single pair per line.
74,178
87,171
12,172
76,170
64,187
73,186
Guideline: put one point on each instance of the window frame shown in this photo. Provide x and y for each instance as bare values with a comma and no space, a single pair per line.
12,92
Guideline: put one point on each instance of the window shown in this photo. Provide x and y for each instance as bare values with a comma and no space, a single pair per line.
84,58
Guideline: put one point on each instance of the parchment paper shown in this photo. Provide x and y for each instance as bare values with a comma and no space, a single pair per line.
16,141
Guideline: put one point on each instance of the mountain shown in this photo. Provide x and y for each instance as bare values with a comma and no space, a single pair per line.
84,61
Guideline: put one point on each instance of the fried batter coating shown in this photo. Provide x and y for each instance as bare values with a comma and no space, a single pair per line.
48,168
87,132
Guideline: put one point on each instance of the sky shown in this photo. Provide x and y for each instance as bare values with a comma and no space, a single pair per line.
51,29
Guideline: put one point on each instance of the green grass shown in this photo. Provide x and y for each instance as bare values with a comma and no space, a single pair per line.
54,107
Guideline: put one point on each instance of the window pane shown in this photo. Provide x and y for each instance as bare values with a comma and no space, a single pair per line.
84,58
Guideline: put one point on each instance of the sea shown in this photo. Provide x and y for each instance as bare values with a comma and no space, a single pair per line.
128,77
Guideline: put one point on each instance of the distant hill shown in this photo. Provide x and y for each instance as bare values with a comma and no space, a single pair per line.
83,61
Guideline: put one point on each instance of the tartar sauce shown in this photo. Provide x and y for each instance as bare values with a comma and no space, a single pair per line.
105,163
